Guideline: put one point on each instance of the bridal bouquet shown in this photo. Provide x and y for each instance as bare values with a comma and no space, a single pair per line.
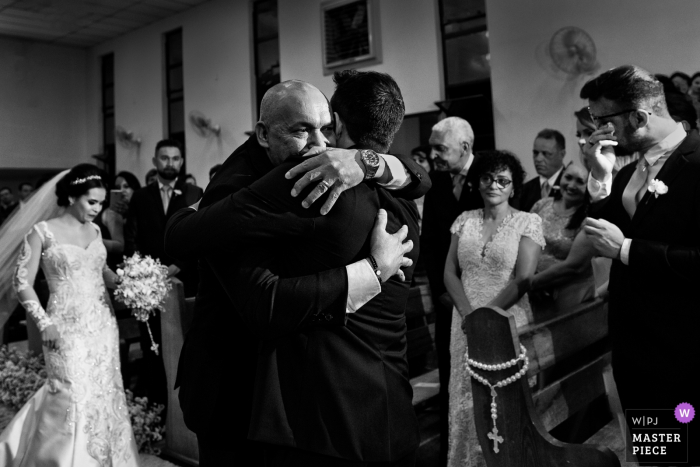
143,284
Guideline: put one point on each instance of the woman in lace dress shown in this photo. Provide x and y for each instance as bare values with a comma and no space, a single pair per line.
561,221
79,417
493,254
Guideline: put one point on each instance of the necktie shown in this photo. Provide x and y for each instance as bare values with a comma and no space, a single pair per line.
165,194
457,184
545,190
639,183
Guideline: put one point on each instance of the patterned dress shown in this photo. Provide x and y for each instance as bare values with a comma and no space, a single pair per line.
486,269
79,417
559,240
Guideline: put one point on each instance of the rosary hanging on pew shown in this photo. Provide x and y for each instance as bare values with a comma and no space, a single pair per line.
493,434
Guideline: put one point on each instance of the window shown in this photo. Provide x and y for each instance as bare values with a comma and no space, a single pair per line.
108,157
174,89
266,47
467,65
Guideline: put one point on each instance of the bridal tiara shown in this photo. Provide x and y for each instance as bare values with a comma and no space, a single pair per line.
78,181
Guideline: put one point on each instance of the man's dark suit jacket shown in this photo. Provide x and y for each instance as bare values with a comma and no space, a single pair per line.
654,315
532,193
340,391
229,321
145,227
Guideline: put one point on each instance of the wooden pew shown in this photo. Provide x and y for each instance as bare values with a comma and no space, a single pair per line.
180,442
525,418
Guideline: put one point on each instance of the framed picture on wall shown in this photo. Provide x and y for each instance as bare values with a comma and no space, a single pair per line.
350,34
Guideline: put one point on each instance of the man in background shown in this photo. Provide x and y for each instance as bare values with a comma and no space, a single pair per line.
455,190
7,203
548,154
149,210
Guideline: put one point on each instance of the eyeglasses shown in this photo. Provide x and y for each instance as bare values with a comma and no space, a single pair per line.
597,119
501,182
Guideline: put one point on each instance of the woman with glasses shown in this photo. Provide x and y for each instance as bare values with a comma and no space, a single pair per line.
493,255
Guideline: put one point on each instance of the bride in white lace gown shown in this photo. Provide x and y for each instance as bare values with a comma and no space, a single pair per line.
79,417
493,254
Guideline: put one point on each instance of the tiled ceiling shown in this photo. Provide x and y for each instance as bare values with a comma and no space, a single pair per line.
83,23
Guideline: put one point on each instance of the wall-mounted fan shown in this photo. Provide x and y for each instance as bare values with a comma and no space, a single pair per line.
127,138
573,51
202,125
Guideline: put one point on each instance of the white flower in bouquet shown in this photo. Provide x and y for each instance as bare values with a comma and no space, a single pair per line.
143,285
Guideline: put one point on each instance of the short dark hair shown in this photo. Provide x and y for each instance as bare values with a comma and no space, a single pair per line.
150,173
629,87
130,179
680,74
695,75
19,187
81,179
680,108
6,188
548,133
169,143
213,170
370,105
497,161
424,148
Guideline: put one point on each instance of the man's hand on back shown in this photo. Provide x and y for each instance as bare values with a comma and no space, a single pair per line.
389,250
332,168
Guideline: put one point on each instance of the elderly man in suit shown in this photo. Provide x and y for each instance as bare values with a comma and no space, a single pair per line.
240,296
548,153
455,190
649,224
149,210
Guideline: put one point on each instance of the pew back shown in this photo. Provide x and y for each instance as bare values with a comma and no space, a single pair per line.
493,338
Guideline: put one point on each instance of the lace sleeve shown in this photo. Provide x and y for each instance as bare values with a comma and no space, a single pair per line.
533,229
458,224
23,280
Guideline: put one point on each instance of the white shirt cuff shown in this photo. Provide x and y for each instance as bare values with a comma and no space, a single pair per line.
625,251
363,285
599,190
399,174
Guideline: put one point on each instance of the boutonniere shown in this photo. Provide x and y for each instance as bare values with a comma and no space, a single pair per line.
658,187
177,192
555,188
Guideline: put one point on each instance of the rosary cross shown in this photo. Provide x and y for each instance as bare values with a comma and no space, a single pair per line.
493,435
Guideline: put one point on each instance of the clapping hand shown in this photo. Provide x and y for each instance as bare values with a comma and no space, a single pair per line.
599,151
332,168
605,236
389,250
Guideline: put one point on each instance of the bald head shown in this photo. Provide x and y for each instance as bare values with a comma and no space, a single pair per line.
294,116
282,97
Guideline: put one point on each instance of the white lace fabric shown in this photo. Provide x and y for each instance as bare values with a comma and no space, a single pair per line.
86,413
486,270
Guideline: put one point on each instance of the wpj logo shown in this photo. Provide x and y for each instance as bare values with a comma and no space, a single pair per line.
657,435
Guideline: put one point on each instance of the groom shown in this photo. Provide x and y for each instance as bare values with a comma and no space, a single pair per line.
653,236
206,394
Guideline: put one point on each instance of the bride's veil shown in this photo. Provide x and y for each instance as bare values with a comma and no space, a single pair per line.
41,206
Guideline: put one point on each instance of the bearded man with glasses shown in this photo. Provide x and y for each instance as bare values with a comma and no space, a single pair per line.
648,222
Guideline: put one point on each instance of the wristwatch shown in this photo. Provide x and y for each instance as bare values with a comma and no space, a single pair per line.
371,161
375,266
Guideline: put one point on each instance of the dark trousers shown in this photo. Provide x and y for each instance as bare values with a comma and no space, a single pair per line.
153,372
283,456
218,449
443,327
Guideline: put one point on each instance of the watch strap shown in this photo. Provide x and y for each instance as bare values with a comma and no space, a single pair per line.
375,267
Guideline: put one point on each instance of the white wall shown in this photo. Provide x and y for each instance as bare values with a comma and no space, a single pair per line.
529,96
217,82
410,48
42,105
